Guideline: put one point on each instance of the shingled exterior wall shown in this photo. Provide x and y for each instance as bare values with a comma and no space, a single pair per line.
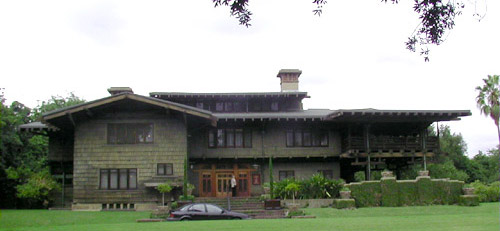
274,143
92,153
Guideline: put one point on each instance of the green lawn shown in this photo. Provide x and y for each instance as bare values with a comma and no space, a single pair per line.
484,217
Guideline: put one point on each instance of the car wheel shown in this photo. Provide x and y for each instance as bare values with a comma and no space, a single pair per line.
236,218
185,219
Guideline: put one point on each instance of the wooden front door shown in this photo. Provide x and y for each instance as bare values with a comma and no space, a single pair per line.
206,184
243,184
223,184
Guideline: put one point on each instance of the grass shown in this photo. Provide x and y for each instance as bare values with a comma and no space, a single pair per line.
484,217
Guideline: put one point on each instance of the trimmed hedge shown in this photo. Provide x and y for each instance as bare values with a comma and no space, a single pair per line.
344,203
390,192
366,193
407,193
469,200
425,190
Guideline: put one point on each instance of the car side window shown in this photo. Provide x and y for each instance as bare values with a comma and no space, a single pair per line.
213,209
197,208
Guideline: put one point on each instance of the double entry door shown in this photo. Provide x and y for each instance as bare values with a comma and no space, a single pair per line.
218,183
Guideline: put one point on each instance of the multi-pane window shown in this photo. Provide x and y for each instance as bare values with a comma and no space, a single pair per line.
164,169
326,173
122,178
257,106
130,133
230,138
306,138
286,174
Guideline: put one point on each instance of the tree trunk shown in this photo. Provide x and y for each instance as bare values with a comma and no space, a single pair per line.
498,129
163,199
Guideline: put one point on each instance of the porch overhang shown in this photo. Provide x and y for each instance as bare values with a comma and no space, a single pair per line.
374,115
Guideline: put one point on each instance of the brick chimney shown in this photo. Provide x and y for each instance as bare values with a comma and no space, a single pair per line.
118,90
289,79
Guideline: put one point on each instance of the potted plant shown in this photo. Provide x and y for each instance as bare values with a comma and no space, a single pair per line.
184,200
387,173
468,189
292,188
267,188
190,188
423,173
164,188
345,193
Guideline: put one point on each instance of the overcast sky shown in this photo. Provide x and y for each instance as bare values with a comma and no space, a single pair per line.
353,56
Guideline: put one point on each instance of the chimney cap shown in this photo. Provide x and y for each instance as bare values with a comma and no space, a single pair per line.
289,71
118,90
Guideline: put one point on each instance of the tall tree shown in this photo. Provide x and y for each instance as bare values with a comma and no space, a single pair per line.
436,18
488,99
23,160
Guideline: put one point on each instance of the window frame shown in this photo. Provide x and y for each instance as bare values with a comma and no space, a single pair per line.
118,178
113,135
164,166
228,139
287,173
323,171
315,138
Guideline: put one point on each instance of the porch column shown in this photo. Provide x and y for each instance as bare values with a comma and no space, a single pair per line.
424,146
367,148
349,137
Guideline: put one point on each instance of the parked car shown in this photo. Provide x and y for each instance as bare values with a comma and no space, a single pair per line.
204,211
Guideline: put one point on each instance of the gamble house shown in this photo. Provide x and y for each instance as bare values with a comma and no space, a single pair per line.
113,152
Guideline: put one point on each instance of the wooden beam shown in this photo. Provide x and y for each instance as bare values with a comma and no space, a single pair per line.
89,112
70,116
366,163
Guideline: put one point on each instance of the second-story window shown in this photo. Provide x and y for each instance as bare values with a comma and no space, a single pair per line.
130,133
230,138
306,138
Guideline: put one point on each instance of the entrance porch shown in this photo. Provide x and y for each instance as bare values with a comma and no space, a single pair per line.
214,179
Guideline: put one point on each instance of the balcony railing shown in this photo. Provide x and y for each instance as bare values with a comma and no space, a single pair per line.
390,143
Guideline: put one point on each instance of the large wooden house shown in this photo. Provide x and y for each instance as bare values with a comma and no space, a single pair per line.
113,152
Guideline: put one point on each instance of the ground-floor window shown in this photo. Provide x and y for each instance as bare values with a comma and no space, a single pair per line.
328,174
121,178
286,174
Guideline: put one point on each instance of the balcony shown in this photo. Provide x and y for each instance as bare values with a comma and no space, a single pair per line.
390,144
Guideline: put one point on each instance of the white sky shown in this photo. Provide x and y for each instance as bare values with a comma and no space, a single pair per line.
353,56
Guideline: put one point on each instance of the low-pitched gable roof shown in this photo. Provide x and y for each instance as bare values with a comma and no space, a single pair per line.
139,98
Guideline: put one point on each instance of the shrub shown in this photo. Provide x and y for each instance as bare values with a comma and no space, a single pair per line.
487,193
359,176
408,193
469,200
186,198
315,187
344,203
164,188
376,175
390,192
292,188
366,194
174,205
447,170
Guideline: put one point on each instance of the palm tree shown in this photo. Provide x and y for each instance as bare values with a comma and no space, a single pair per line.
488,100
